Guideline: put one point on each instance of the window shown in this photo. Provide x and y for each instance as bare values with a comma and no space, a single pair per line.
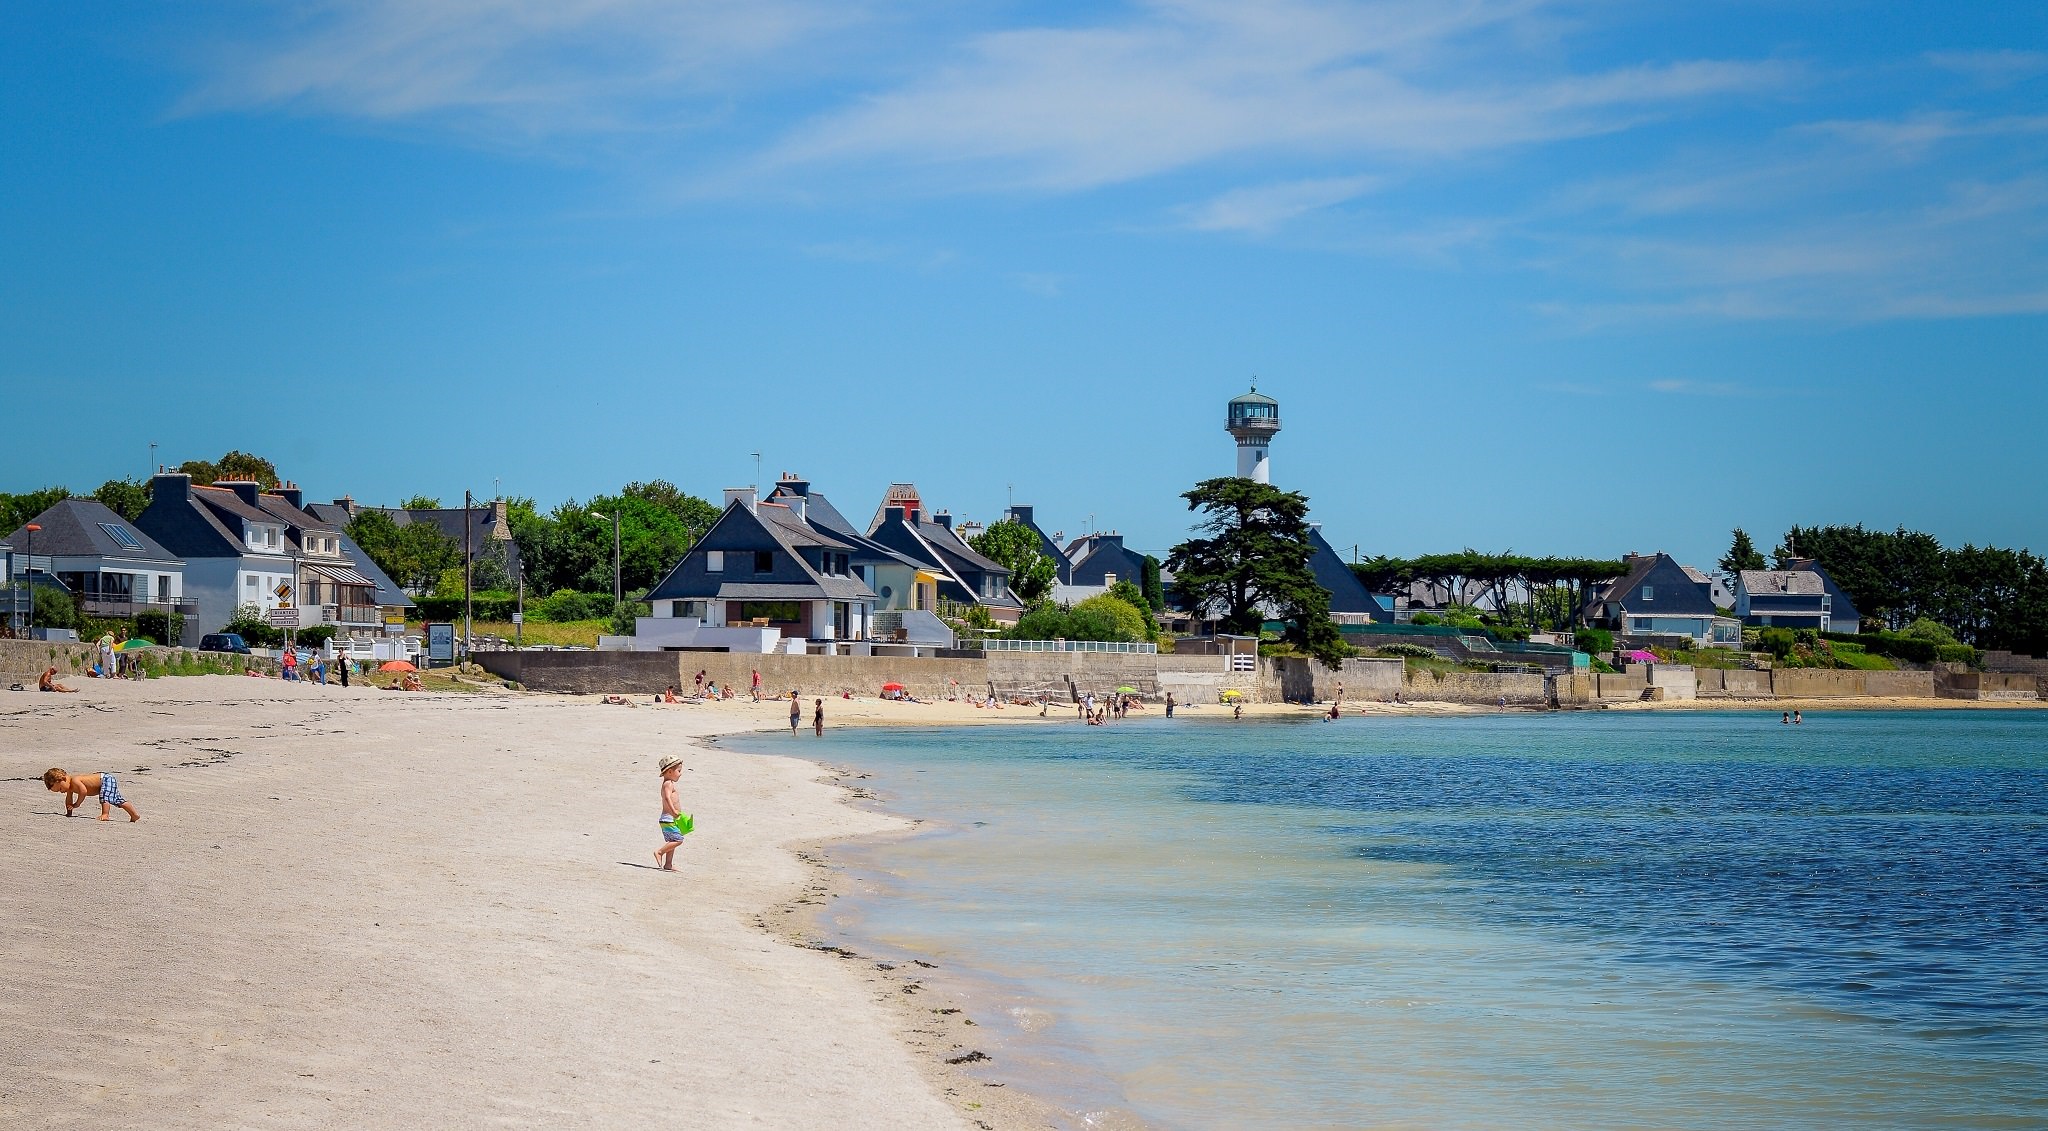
248,583
714,561
1649,592
120,535
774,612
1640,624
764,561
1109,579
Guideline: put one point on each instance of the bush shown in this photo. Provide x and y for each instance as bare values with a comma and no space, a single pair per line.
566,605
55,608
1405,650
1779,642
253,629
160,626
1425,618
1956,654
1898,647
1932,632
493,605
314,637
1098,618
1594,640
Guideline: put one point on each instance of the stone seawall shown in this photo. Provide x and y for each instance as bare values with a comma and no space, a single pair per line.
646,673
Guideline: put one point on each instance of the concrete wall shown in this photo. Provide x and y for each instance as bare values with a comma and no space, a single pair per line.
1475,687
22,661
646,673
1990,685
1294,679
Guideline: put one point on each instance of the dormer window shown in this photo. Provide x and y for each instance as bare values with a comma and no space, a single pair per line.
764,561
1649,592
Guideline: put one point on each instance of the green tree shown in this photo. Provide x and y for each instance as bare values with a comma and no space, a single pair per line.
125,497
1014,546
254,468
415,555
54,608
1155,594
1742,554
421,503
17,511
1382,574
1129,593
1253,550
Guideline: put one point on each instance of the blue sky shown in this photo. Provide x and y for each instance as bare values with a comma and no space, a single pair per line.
1570,278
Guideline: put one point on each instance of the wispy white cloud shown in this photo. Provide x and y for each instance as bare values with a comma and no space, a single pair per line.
1261,208
1180,85
1992,68
1686,387
527,68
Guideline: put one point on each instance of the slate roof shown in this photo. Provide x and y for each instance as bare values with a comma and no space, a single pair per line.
72,528
1679,592
786,530
1782,582
819,512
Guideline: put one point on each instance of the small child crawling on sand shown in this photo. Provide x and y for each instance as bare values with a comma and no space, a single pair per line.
77,787
674,822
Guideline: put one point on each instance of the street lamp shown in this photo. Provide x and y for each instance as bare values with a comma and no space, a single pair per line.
618,592
32,528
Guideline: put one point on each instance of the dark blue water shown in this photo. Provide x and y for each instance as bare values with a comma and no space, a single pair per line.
1686,920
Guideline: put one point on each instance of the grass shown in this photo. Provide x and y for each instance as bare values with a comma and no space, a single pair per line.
582,633
1862,661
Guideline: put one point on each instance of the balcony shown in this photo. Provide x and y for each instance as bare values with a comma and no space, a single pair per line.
125,608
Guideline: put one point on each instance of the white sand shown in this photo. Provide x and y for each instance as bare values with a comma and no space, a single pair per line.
366,909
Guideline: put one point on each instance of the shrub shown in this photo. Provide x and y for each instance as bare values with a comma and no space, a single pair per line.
1898,647
55,608
314,637
488,605
1405,650
1777,641
253,629
1956,654
1594,640
566,605
1425,618
1932,632
160,626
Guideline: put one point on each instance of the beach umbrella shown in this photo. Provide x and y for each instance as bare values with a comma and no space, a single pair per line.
1126,691
892,687
396,666
131,645
1233,694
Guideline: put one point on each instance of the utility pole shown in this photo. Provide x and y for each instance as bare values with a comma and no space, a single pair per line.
32,528
152,459
618,593
466,559
757,473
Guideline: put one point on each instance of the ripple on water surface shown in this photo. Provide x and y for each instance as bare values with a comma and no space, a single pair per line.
1590,920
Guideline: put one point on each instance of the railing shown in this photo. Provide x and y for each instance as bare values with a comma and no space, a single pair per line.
1000,645
126,607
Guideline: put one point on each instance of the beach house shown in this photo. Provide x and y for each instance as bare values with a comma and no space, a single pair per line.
1659,598
1025,515
389,598
245,547
906,592
765,573
109,566
965,576
1802,596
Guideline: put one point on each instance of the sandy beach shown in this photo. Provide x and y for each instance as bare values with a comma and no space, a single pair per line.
358,908
367,909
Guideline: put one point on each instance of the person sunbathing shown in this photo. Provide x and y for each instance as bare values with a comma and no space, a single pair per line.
411,682
48,682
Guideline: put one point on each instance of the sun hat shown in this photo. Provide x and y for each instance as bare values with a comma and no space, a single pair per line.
670,761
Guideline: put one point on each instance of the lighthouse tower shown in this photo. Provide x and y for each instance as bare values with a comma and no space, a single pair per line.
1254,418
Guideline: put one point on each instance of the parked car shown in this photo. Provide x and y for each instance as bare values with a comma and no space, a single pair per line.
223,642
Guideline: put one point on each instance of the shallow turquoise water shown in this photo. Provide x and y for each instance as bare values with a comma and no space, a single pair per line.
1576,920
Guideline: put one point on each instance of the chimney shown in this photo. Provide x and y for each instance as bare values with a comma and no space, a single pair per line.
291,494
243,489
1021,514
170,487
498,513
894,514
347,503
791,485
944,518
744,496
795,504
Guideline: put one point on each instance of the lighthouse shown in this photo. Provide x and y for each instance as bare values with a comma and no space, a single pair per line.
1254,418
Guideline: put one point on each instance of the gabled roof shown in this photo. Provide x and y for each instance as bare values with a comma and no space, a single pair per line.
819,512
781,525
1678,592
1347,593
81,527
281,510
387,592
1782,583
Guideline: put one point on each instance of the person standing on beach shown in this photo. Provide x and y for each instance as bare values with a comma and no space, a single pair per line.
342,665
674,822
757,685
796,712
290,664
818,718
1169,704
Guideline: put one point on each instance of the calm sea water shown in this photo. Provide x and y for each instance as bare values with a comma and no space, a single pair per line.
1577,921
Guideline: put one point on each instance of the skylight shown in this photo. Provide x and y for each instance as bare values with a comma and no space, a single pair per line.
120,534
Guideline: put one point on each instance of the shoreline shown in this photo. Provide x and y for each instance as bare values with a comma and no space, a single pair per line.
296,926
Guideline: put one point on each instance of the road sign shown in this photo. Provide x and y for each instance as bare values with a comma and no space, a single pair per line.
282,618
518,618
283,591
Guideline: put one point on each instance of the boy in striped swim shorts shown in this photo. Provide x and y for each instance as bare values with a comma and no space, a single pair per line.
77,787
675,824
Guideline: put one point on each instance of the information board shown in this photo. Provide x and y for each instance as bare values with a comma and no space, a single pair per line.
441,643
